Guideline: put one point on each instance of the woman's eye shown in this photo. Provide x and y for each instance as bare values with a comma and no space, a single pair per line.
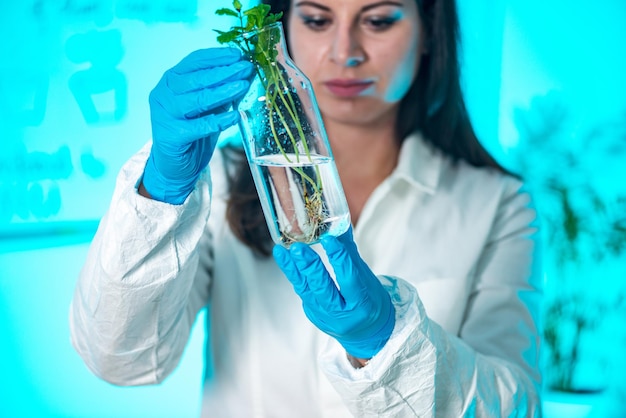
315,23
380,23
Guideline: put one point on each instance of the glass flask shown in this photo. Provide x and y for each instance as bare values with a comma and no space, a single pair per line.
286,145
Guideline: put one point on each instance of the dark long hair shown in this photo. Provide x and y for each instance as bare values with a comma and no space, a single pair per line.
434,106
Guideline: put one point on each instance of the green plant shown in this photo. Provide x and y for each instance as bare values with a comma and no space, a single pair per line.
562,164
583,222
567,319
259,45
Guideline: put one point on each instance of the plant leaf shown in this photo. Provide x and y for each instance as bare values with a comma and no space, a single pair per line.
226,12
226,37
273,18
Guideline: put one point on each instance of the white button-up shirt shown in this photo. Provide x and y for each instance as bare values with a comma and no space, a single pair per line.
454,245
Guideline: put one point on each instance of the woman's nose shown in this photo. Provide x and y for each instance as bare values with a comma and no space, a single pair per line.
347,49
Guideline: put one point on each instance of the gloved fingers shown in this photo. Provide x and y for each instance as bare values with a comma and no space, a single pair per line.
287,265
346,265
208,125
164,104
320,283
207,58
216,123
191,105
207,77
178,135
347,237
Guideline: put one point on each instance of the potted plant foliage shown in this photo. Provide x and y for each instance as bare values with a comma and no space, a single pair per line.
571,173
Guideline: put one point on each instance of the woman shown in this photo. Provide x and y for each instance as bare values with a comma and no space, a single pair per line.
437,309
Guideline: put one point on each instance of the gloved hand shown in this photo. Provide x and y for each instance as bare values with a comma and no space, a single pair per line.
360,315
189,108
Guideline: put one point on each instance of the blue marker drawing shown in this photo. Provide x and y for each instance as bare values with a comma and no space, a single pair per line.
98,11
44,202
6,204
23,95
151,11
29,185
103,49
92,166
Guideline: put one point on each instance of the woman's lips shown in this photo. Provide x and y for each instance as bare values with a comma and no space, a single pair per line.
347,88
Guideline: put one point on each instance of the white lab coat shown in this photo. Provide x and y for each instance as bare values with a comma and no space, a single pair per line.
454,245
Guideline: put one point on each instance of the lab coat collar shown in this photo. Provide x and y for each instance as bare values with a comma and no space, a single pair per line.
419,164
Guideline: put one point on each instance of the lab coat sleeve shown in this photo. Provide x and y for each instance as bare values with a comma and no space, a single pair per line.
145,278
490,370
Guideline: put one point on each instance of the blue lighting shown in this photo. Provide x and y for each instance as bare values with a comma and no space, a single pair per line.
74,82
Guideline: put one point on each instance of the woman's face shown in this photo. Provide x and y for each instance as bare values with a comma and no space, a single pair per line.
361,55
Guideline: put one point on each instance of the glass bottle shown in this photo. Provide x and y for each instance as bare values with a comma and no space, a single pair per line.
286,145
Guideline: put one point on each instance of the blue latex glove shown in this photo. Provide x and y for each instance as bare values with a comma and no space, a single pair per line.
360,315
189,108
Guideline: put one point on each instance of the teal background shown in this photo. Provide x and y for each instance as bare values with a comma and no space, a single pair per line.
74,81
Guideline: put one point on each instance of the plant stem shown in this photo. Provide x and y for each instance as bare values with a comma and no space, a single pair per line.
275,74
260,50
291,108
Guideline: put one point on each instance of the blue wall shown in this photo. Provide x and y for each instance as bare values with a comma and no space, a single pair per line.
74,81
42,376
